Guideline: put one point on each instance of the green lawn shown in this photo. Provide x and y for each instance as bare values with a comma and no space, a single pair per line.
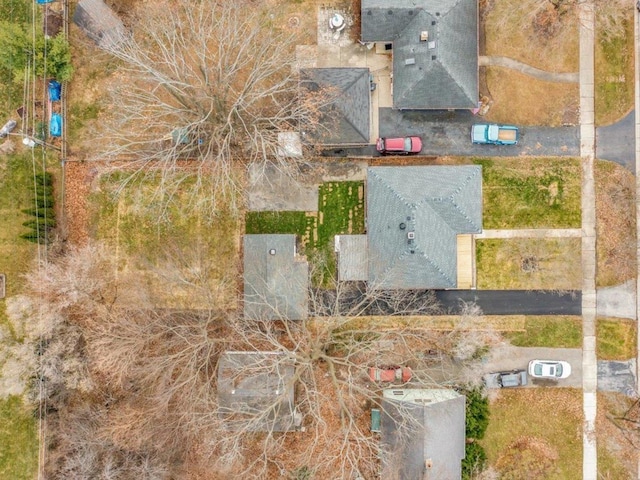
18,440
536,434
614,82
340,211
549,331
531,193
529,263
616,339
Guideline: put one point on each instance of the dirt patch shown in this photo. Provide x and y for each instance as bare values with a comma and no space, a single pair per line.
78,177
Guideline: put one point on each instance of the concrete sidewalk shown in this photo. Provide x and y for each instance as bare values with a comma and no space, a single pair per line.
587,152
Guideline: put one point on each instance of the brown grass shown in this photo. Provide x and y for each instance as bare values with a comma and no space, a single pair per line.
539,430
510,32
615,224
523,100
617,458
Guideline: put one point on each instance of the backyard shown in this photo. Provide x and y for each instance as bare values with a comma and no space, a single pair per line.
340,211
152,238
18,435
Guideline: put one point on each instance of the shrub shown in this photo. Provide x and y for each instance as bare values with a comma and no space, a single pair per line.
40,212
477,414
474,460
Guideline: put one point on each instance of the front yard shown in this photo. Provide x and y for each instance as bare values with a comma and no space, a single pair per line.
536,434
531,192
529,264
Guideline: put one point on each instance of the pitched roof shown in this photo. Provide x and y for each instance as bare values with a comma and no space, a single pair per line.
441,72
275,280
256,391
413,217
420,428
345,117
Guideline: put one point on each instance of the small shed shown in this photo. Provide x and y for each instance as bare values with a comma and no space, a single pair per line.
351,251
256,391
99,22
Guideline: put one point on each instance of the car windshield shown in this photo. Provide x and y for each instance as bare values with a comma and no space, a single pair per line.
537,369
558,370
407,144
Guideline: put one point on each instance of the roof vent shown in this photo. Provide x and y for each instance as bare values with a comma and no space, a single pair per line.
411,235
272,251
433,22
410,61
403,226
432,45
433,57
424,36
389,12
428,463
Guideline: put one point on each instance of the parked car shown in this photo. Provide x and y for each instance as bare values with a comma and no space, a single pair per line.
484,133
514,378
7,128
549,369
400,145
390,374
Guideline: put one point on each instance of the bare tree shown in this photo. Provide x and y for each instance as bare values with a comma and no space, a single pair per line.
149,400
211,82
331,355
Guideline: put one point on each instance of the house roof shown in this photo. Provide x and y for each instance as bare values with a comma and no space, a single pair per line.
420,428
99,22
256,391
414,215
275,279
345,117
440,72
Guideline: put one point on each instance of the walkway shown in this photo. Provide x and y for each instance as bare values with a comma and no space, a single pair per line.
495,61
587,152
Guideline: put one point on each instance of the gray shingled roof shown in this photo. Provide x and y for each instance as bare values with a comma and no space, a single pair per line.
345,118
439,73
435,434
275,285
433,204
256,391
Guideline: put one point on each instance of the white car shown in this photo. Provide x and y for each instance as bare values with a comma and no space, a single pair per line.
549,369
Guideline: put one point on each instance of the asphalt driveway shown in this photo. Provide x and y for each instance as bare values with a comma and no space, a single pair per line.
449,133
617,142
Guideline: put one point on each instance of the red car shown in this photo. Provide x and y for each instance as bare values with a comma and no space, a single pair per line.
399,146
390,374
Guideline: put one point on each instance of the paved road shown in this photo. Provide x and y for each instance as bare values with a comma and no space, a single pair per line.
513,302
617,142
